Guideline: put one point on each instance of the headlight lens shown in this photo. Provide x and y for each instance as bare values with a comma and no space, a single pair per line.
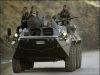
16,35
64,34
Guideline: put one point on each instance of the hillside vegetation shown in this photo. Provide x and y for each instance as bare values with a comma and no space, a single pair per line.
87,11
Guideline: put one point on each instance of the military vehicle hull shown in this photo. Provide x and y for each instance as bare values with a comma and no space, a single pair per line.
47,44
39,49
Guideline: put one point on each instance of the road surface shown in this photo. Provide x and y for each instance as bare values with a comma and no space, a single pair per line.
90,66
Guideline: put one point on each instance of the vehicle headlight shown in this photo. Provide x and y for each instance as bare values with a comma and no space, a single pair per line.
16,35
64,34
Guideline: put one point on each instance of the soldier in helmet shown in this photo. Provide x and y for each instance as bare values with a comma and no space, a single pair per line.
64,13
25,15
32,8
63,17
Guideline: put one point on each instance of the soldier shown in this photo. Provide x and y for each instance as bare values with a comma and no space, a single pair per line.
34,23
33,8
65,14
25,15
63,17
35,19
49,20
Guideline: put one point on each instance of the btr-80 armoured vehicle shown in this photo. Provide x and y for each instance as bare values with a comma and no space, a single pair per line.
46,43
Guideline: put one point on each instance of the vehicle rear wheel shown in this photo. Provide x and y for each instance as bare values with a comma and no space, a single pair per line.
16,65
70,62
78,56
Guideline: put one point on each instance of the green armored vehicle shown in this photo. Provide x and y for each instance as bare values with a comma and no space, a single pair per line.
46,43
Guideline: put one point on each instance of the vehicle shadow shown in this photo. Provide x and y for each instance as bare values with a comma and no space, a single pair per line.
45,70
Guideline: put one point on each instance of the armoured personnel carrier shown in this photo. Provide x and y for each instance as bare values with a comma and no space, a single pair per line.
46,43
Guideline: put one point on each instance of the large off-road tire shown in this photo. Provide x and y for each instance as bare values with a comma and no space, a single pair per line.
70,62
16,65
78,56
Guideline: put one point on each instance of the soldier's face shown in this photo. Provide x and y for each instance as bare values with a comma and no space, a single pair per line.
25,9
64,8
34,13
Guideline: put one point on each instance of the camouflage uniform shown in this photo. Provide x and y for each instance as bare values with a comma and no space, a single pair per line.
63,17
65,14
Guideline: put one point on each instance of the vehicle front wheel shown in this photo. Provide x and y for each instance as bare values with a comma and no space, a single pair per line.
78,56
16,65
70,62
